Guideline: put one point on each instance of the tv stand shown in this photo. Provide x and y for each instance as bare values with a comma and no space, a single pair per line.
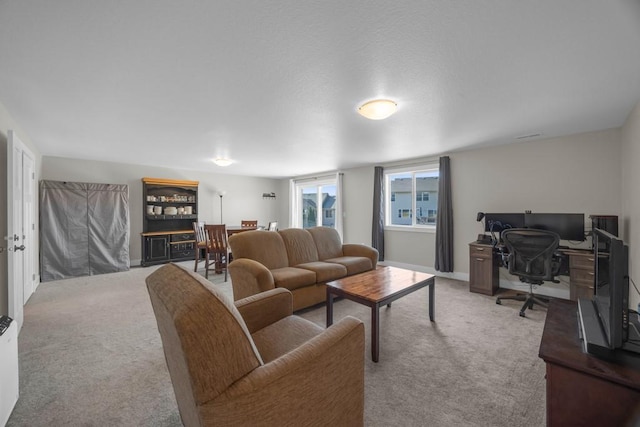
583,389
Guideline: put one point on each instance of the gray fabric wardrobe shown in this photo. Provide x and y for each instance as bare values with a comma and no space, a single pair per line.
84,229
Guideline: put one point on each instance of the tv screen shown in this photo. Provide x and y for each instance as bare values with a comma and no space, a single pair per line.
611,286
496,222
568,226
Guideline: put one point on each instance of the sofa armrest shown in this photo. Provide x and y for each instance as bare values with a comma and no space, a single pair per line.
323,379
249,277
265,308
354,249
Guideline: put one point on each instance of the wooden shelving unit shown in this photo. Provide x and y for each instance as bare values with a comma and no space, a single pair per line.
170,208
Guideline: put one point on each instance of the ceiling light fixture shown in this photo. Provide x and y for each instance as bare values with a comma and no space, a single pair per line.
378,109
222,161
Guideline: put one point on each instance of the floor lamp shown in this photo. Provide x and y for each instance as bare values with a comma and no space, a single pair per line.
221,193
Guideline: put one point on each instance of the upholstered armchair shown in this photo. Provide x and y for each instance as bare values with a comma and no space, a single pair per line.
253,362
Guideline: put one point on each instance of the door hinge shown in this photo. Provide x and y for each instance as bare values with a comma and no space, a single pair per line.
33,277
33,175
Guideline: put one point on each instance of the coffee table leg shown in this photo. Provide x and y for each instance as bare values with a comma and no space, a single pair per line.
329,308
375,332
432,304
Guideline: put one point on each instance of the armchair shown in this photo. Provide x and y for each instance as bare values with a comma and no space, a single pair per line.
530,256
254,363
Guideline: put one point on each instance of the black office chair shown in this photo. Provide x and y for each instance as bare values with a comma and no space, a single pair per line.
531,256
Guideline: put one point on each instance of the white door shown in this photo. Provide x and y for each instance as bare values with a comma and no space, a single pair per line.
20,226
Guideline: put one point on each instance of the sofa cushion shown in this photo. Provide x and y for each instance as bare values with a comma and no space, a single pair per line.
354,264
325,271
301,247
266,247
291,277
327,242
283,336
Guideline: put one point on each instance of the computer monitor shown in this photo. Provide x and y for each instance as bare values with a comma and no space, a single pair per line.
496,222
569,226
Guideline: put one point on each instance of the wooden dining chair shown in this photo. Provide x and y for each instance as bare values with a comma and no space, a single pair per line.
201,243
249,223
217,249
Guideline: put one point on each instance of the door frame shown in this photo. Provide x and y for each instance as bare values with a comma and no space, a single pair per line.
19,291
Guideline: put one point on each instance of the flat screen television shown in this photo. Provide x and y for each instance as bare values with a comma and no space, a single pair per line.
496,222
604,319
569,226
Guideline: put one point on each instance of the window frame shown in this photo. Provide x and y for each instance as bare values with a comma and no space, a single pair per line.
412,170
298,200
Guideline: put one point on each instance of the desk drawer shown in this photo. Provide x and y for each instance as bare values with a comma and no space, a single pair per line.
480,251
580,261
582,276
580,291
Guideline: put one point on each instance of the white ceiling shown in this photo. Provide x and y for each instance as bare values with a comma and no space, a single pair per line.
275,84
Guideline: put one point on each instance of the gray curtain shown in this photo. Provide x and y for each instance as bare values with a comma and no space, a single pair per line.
377,232
84,229
444,221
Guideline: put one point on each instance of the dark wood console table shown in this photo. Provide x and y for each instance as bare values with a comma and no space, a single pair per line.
583,389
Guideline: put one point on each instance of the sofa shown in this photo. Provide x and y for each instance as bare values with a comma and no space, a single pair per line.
300,260
252,362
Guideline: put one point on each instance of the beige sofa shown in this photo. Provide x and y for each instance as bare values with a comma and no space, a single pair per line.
253,363
302,261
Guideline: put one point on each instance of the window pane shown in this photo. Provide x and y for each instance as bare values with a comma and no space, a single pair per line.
427,200
329,205
309,207
401,187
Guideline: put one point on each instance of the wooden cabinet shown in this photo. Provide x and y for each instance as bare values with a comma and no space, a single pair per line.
583,390
483,269
155,249
581,274
169,210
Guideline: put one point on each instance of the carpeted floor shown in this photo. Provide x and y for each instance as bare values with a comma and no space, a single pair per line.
91,355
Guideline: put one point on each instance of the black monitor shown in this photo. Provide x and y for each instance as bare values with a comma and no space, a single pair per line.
569,226
496,222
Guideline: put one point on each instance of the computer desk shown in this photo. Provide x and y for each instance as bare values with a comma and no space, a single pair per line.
485,260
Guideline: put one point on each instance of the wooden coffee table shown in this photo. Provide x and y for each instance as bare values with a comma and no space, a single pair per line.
379,287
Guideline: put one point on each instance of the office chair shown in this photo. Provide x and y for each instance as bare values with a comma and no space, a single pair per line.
531,258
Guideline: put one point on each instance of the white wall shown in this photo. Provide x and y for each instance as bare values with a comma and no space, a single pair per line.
8,123
577,173
243,198
630,221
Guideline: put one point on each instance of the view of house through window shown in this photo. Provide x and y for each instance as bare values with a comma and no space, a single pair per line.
316,204
412,197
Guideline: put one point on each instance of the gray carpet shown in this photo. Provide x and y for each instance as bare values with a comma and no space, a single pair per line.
90,355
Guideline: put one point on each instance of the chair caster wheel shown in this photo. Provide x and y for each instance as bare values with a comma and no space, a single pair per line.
522,314
498,302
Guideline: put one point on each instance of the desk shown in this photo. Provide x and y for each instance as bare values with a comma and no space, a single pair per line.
484,262
583,389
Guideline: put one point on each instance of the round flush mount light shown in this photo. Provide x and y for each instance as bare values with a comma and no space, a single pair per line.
378,109
222,161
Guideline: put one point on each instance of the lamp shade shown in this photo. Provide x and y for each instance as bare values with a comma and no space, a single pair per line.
378,109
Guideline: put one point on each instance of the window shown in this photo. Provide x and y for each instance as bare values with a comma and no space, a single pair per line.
410,190
315,203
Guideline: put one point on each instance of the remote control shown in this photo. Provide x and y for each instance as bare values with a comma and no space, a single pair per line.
5,321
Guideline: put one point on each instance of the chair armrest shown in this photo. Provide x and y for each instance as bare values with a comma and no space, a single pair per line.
265,308
355,249
249,277
323,379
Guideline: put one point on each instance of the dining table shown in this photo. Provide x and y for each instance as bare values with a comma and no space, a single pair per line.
233,229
